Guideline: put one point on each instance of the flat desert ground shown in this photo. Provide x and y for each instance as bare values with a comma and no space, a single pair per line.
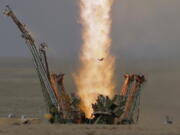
20,93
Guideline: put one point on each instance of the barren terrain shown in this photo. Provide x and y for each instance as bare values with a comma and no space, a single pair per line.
20,93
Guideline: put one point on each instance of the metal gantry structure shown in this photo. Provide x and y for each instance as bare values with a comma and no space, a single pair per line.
64,108
56,98
41,67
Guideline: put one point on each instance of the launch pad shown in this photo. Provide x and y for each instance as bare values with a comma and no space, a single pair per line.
123,108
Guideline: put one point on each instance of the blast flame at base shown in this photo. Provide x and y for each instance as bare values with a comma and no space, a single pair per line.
96,74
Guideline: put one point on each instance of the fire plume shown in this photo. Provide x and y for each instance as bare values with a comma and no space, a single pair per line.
96,74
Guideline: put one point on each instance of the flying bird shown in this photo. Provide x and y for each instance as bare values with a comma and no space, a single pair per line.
101,59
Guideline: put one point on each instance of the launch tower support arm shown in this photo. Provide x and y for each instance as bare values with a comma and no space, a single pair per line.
36,56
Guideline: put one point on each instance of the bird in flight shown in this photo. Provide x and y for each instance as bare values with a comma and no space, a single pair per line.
101,59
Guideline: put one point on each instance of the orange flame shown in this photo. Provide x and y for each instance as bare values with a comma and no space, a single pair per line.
96,75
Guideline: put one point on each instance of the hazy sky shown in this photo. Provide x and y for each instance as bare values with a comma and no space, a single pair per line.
147,29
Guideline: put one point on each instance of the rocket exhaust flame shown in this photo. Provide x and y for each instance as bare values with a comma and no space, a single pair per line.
96,74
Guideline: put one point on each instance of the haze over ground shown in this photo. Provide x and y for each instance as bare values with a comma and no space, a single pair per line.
145,39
